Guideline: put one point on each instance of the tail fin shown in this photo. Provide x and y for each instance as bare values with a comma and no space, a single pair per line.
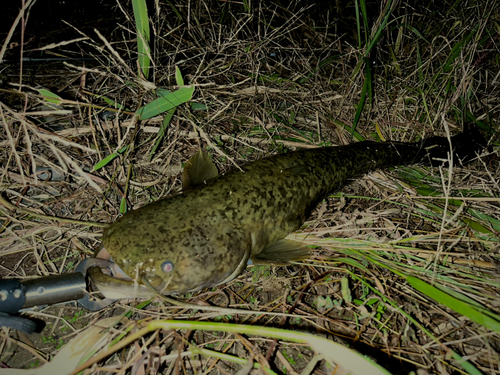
466,146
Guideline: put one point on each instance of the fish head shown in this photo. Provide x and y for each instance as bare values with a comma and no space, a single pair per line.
195,268
176,260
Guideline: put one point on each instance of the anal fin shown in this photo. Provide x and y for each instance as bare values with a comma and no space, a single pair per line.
282,253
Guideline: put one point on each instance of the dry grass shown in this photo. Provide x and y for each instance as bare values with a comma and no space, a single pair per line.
272,79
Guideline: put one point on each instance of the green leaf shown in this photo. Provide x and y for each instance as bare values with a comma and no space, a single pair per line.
161,132
476,226
109,158
324,303
199,107
178,77
358,136
346,291
455,304
485,218
456,50
346,361
428,192
416,32
123,206
50,97
143,35
165,103
353,263
365,90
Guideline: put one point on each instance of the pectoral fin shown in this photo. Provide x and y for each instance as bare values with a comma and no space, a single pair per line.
198,170
282,253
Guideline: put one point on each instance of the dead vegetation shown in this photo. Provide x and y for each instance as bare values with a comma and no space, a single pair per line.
405,264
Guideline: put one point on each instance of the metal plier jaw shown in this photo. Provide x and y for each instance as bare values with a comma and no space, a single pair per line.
82,268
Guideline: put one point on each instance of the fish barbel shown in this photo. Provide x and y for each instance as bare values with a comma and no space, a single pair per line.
206,235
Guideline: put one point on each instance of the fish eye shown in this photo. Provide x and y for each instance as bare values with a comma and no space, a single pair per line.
167,266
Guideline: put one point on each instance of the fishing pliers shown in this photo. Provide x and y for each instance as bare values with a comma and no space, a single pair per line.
19,295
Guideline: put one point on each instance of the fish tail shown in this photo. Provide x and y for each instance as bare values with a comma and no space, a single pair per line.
466,147
363,157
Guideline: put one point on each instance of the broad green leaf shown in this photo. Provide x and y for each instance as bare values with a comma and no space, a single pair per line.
165,103
162,92
50,97
485,218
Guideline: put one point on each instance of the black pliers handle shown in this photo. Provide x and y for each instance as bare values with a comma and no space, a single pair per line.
17,295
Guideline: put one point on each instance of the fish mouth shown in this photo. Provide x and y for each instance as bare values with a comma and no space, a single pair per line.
116,271
117,283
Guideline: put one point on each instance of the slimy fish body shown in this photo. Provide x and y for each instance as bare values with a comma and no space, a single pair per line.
206,235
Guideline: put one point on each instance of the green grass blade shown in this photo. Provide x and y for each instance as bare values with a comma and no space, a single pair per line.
353,263
455,304
143,35
456,50
361,104
358,22
495,224
469,367
381,28
357,136
347,360
109,158
364,16
162,131
416,32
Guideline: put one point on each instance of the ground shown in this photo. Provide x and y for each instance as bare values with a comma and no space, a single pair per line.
404,264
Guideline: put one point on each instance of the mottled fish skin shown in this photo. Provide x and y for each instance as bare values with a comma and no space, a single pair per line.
210,232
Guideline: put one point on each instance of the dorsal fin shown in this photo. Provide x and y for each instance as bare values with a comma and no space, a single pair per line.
198,170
